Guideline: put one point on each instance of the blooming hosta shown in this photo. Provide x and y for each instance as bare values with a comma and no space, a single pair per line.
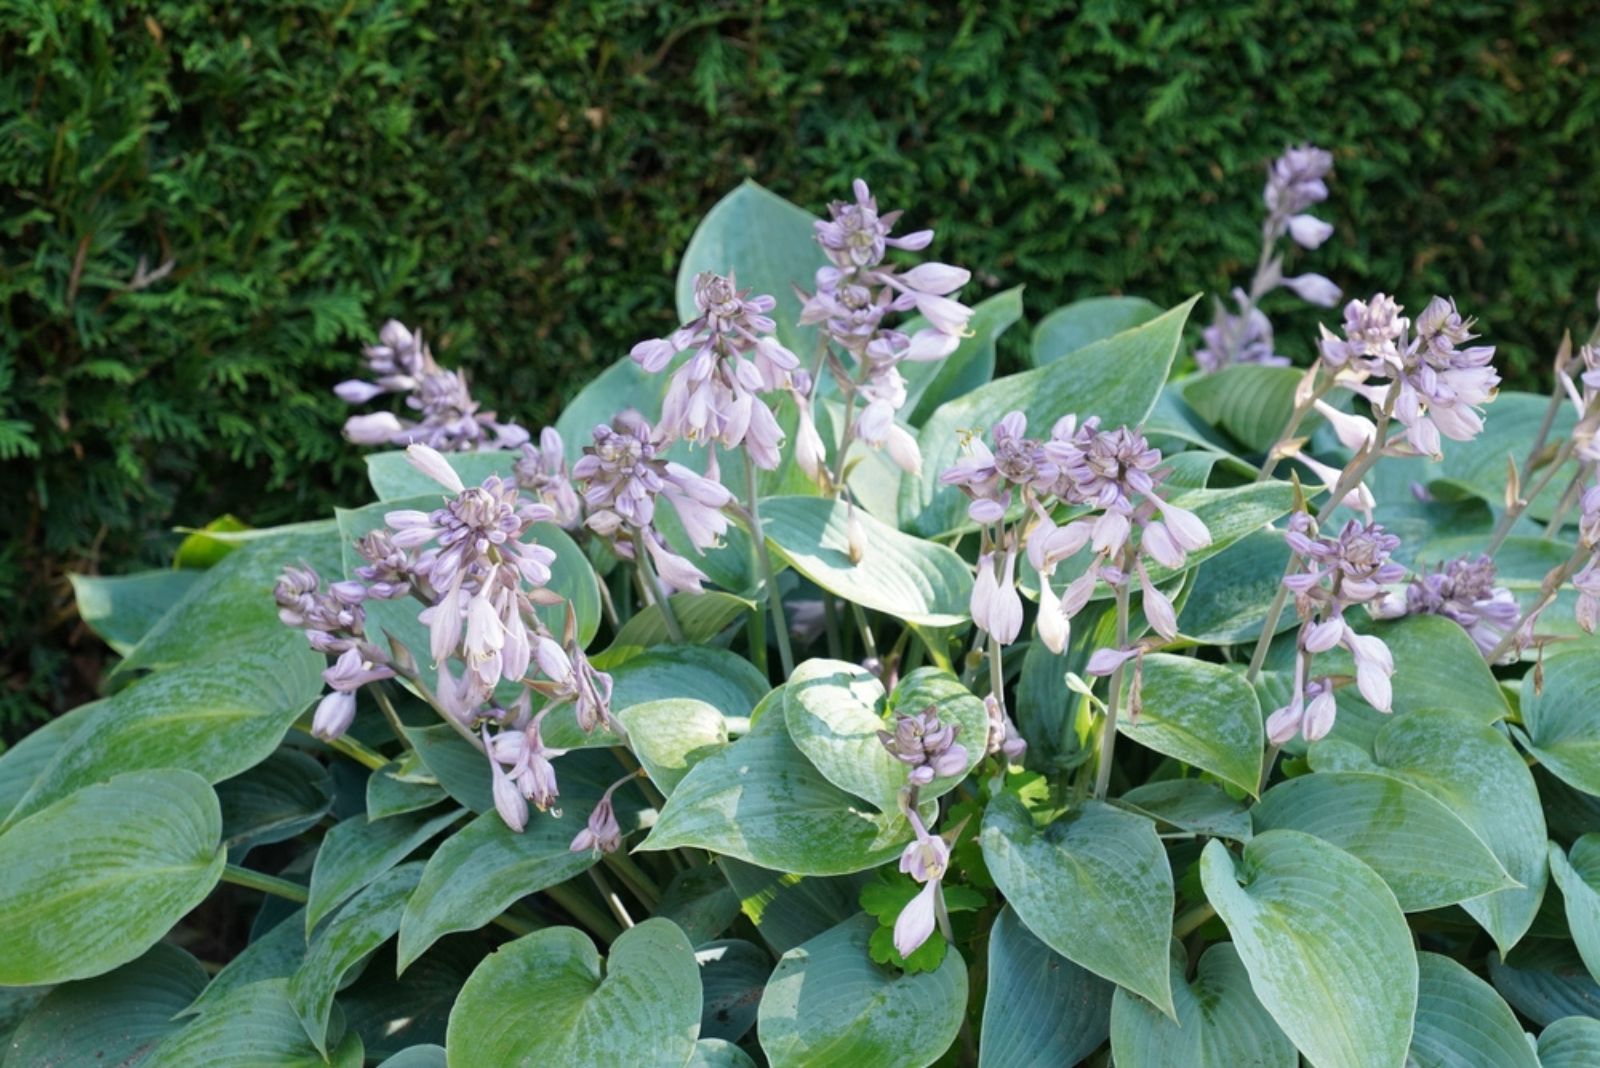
809,695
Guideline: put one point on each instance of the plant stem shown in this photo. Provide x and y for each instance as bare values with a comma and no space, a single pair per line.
351,748
868,644
652,583
267,884
997,677
1108,739
764,562
830,622
1549,589
618,910
1514,510
643,887
1296,417
580,909
380,694
1569,497
1193,919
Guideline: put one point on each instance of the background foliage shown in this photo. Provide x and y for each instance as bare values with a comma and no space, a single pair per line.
519,179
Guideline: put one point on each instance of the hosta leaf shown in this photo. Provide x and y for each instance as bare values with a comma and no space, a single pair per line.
1202,714
121,609
1191,805
1578,876
1545,979
702,616
1559,718
699,900
460,767
1422,850
363,924
788,909
641,1007
1094,886
1220,1023
828,1004
214,722
357,851
716,1053
113,1019
95,879
834,711
671,735
768,245
619,387
1083,322
1041,1010
1325,943
1462,1022
426,1056
732,976
393,479
277,799
931,383
1117,378
274,954
393,789
1476,773
392,1012
23,763
899,575
1570,1042
703,673
254,1025
1478,467
1250,402
760,800
1232,591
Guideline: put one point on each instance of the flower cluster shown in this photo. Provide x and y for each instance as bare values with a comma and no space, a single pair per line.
925,859
448,418
334,622
542,471
715,396
1587,580
1113,473
926,745
1296,180
624,473
855,294
1585,395
1462,590
1335,574
1423,376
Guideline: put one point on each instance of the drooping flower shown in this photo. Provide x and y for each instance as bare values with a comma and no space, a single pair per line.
1004,737
542,470
519,757
333,619
1245,336
925,859
1462,590
601,832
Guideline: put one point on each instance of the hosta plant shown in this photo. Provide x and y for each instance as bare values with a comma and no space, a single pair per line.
811,695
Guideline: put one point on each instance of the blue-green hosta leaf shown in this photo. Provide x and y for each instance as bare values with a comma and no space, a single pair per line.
1325,943
425,1056
619,387
1232,591
393,478
363,924
702,616
23,763
1545,979
1476,773
899,575
1220,1023
1094,886
459,767
760,800
1083,322
95,879
1478,467
1250,402
1463,1023
828,1004
1117,378
790,909
971,365
1202,714
121,609
1194,806
1578,875
393,1012
732,975
401,786
671,735
699,900
255,1025
641,1007
1559,716
1570,1042
768,245
277,799
274,954
717,1053
1041,1010
1428,857
113,1019
357,851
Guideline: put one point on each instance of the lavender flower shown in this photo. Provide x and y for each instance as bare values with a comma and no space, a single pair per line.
542,471
601,832
449,418
1462,590
926,745
1003,735
925,859
523,772
1295,181
1242,337
333,619
334,714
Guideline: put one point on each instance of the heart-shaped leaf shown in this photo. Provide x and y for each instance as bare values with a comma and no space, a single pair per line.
828,1004
899,575
121,609
1462,1022
1220,1023
1083,322
1325,943
1570,1042
1476,773
1094,886
1233,590
834,711
252,1025
641,1007
1578,876
1559,719
1201,713
272,954
1041,1010
1428,857
95,879
1117,379
670,736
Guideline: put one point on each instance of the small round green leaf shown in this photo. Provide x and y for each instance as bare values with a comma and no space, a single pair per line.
671,735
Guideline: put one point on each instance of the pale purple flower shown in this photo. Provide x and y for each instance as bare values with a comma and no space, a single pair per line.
1462,590
995,605
1373,332
1004,737
352,670
601,832
333,619
925,859
519,754
1295,181
1245,337
1587,583
926,745
573,678
542,471
334,714
387,572
1314,289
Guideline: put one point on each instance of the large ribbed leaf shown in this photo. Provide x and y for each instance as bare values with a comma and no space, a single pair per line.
1462,1022
1422,850
95,879
829,1006
1570,1042
1250,402
1041,1010
1083,322
1545,979
1578,875
1325,943
547,1000
732,975
121,609
254,1025
1094,886
277,799
357,851
1559,718
1117,379
1202,714
671,735
1220,1023
1478,467
1476,773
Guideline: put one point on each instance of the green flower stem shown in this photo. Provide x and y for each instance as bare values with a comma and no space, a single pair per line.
1514,509
1570,497
380,694
267,884
618,909
764,562
636,879
578,907
1549,588
367,758
830,623
1192,920
1296,417
652,584
868,644
1108,737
